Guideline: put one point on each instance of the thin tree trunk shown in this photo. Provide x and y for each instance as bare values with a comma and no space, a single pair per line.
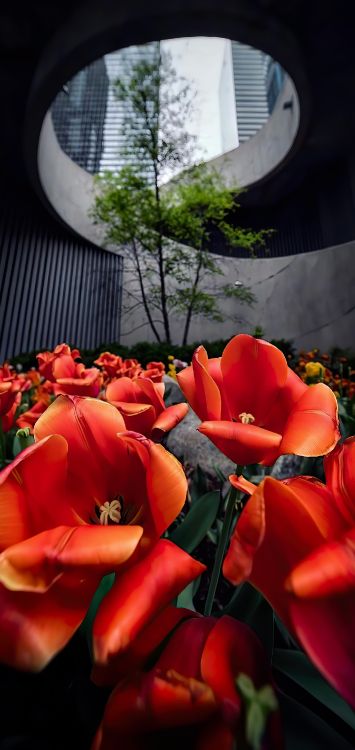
144,297
191,305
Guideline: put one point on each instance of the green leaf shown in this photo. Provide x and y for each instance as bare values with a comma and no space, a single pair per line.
185,598
297,667
103,588
198,521
304,730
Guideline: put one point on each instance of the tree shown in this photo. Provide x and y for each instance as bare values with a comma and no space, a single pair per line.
165,230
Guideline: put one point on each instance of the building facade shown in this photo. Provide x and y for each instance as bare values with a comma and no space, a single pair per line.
89,118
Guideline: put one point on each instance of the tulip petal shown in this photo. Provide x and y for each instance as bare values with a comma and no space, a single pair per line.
330,569
89,426
34,627
325,627
149,394
167,487
339,467
242,443
167,420
36,563
142,647
261,548
63,367
231,648
242,484
185,648
138,595
123,389
253,372
32,491
312,428
286,399
137,417
207,391
186,380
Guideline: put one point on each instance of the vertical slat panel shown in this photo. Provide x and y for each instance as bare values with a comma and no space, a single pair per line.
53,287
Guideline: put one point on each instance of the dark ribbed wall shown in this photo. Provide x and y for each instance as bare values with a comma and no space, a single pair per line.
53,286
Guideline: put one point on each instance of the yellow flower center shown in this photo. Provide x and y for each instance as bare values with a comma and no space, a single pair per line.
246,418
110,511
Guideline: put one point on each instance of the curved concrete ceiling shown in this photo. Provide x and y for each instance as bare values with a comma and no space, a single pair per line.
95,29
70,189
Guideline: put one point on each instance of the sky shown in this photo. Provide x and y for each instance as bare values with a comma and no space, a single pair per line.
199,60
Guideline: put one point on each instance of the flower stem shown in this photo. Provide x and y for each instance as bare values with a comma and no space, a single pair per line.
221,548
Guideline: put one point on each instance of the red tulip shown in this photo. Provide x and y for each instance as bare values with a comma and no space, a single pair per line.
84,500
11,384
116,367
58,363
141,403
190,696
254,408
295,542
7,420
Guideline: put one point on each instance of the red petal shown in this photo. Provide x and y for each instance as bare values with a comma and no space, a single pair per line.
186,380
330,569
242,443
34,627
286,399
184,651
63,367
35,563
325,628
142,647
280,525
312,428
137,417
339,468
149,394
138,595
242,484
167,420
253,372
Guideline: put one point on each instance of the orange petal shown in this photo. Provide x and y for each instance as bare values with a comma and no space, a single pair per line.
90,427
286,399
312,428
242,484
63,367
137,417
32,491
34,627
253,372
339,467
186,380
122,389
207,391
167,420
138,595
242,443
149,394
167,487
36,563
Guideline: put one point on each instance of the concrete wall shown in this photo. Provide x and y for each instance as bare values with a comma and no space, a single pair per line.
307,297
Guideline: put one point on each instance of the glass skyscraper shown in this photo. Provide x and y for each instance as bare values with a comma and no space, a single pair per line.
88,118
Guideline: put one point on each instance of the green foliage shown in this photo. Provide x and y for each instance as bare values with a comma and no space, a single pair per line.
197,523
165,231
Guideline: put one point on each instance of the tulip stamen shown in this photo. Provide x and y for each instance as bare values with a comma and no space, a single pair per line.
110,511
246,418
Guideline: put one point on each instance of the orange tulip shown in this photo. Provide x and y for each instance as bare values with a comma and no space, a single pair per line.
254,407
29,418
84,500
190,696
295,542
155,371
69,377
115,367
141,403
11,384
